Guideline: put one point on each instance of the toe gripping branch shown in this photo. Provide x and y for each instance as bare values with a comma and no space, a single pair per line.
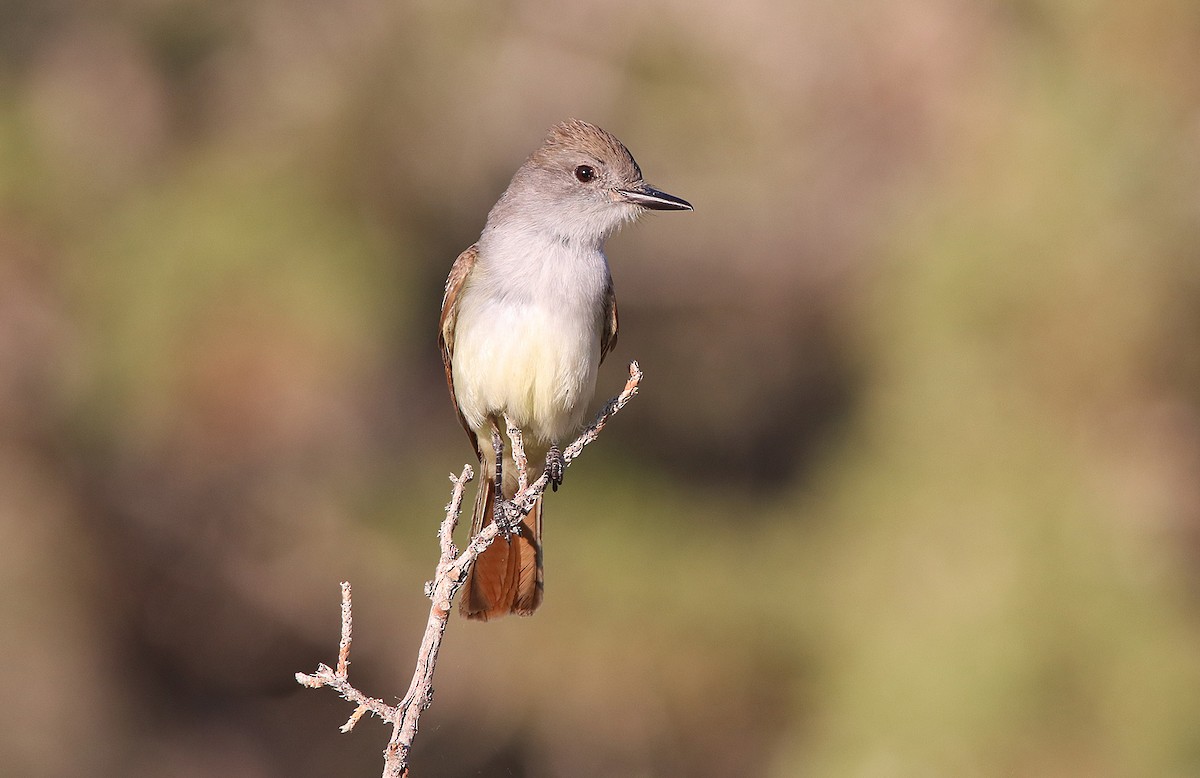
556,465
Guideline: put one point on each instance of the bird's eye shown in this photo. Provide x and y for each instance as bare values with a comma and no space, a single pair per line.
585,173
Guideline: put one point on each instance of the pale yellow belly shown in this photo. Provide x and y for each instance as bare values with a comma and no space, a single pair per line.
534,363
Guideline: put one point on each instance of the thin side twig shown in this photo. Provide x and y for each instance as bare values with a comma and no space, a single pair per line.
337,679
452,570
525,498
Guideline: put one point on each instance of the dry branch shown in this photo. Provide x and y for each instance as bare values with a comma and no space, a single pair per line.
452,571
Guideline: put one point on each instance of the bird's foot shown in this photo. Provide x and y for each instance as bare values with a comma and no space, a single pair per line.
507,518
555,467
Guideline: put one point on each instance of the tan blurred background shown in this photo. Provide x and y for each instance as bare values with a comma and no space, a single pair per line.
913,487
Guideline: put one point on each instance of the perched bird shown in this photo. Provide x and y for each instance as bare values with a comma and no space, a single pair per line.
527,317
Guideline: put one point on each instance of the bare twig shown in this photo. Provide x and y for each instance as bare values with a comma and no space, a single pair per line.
337,680
524,499
452,571
518,453
343,667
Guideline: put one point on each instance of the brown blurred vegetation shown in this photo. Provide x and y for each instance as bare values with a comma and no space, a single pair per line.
913,487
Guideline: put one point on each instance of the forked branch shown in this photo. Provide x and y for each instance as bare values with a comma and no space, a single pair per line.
452,570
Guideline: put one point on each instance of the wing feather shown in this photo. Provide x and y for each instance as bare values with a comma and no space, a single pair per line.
608,333
454,285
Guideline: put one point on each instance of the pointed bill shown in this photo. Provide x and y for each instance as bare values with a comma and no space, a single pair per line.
649,197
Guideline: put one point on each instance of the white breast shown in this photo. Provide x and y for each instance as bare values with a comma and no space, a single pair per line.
527,340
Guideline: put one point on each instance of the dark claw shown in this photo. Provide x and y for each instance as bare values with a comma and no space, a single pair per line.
555,466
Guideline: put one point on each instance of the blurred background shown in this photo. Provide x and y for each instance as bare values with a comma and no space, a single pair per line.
912,487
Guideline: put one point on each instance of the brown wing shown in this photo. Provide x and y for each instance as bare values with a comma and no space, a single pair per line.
454,285
608,333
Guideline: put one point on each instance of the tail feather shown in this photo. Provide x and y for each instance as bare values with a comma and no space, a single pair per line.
507,576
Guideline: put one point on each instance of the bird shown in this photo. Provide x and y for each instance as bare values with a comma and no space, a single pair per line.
528,314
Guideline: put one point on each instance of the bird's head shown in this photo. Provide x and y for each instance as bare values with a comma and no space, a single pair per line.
582,184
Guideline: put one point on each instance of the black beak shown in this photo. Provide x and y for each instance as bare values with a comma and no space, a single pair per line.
649,197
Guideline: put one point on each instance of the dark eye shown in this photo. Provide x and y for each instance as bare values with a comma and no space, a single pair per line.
585,173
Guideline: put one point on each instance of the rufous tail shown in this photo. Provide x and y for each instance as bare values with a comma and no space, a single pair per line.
507,577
